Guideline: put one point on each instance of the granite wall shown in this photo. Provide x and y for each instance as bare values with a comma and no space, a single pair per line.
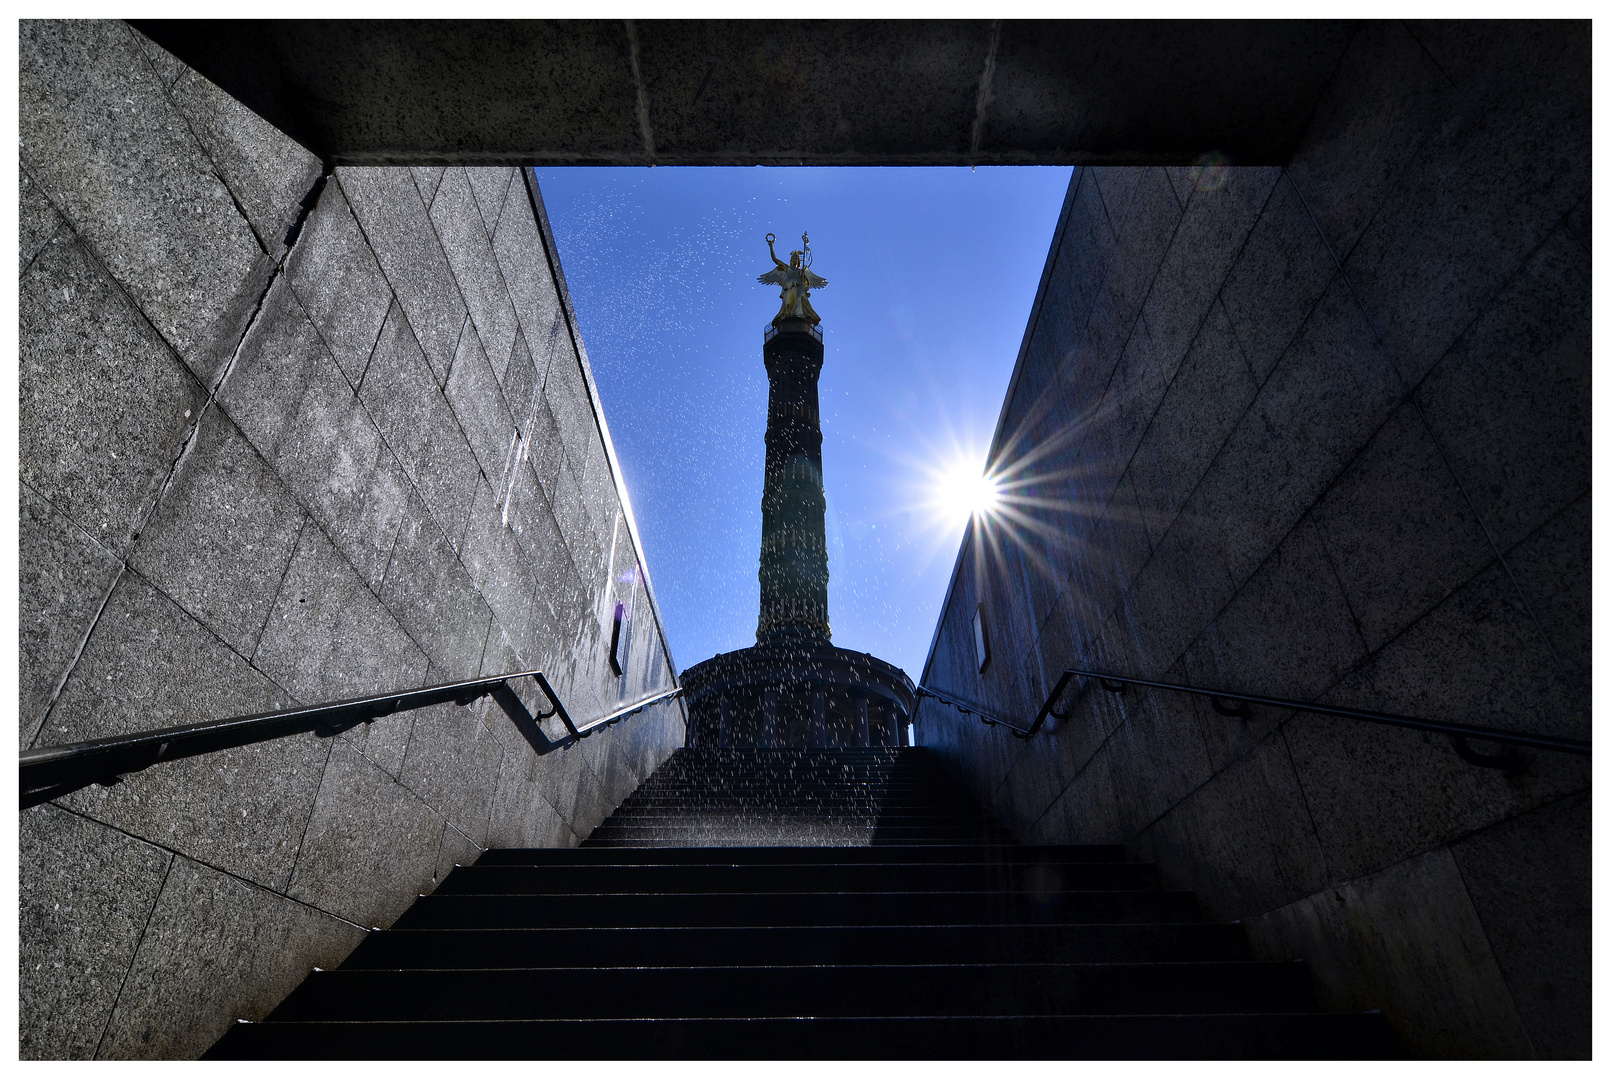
288,436
1320,432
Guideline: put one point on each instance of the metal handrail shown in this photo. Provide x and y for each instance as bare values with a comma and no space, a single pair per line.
967,709
52,771
770,331
627,710
1459,734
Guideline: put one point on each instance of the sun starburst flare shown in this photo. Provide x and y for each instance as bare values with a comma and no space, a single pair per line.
954,487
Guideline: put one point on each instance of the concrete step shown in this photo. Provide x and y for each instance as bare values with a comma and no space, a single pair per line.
803,856
622,993
818,908
1203,1036
785,946
1039,878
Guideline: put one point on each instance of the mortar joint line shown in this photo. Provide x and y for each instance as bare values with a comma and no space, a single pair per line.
133,956
78,653
313,805
159,845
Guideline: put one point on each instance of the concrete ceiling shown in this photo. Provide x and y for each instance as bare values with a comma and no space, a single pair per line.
829,92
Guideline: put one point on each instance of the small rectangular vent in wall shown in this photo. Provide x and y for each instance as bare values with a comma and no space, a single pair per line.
617,657
981,640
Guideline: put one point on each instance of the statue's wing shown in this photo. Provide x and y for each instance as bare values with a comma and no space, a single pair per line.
815,282
775,276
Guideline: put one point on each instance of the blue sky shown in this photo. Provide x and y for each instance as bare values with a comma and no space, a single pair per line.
931,276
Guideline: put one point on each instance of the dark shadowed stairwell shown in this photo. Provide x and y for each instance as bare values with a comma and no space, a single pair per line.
794,903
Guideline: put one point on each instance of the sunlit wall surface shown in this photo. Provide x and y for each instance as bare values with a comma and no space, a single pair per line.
931,275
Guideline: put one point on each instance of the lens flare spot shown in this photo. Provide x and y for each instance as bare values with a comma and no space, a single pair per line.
1211,171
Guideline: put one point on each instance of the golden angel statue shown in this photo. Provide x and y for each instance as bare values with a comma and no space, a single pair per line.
795,279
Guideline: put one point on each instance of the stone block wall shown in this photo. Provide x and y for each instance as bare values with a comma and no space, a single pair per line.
288,436
1321,433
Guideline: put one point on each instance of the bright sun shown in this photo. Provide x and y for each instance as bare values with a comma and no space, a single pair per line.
960,492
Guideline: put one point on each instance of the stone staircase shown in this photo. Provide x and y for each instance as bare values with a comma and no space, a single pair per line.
805,904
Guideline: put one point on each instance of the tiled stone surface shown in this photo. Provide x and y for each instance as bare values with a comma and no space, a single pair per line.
1210,235
1409,942
328,498
339,283
280,355
1288,632
567,397
419,426
1279,276
1175,596
519,249
37,220
522,817
1158,756
1580,224
149,665
1466,214
265,171
1375,794
1478,656
586,549
456,849
334,460
493,557
1509,402
371,844
1085,811
1426,539
104,407
431,595
545,448
1083,256
478,403
1249,827
1388,98
558,777
1330,393
1529,883
1210,392
426,178
400,234
467,243
1551,568
120,685
99,133
522,386
222,535
384,742
491,187
216,949
452,765
83,902
1144,230
1115,186
328,637
65,578
168,66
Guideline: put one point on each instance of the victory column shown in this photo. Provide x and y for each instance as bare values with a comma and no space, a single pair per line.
794,688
